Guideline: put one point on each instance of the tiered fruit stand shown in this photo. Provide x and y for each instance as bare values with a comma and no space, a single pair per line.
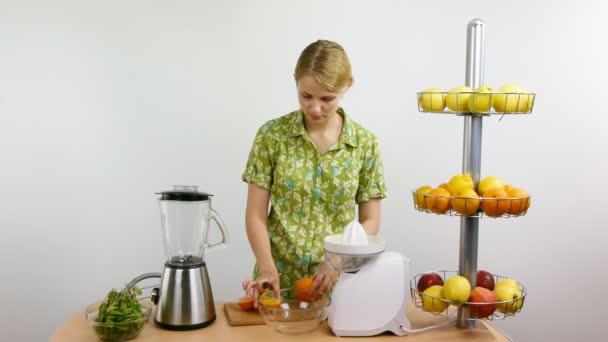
469,224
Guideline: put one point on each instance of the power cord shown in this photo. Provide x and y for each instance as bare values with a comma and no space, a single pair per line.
452,321
500,331
429,327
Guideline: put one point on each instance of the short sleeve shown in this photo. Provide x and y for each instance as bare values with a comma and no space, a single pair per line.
260,164
371,176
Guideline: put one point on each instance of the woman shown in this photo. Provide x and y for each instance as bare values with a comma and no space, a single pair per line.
314,166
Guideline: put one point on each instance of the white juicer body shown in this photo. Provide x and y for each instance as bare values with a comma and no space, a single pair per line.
372,300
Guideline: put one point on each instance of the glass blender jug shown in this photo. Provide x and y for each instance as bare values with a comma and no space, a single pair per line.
185,300
186,215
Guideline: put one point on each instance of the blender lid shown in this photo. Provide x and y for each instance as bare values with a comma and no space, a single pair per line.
186,193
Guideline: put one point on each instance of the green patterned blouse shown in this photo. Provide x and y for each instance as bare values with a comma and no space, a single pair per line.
311,195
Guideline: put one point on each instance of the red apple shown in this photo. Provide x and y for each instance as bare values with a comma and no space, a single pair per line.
428,280
482,295
485,279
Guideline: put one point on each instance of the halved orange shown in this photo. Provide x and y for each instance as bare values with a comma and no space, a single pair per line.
245,303
270,301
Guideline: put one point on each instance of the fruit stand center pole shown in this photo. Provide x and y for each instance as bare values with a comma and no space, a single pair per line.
471,162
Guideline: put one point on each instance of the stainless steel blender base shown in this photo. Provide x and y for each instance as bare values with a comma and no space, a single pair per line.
185,300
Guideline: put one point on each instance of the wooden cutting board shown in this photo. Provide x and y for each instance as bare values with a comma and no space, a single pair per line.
237,316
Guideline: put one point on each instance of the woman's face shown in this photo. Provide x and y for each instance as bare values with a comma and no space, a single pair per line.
318,104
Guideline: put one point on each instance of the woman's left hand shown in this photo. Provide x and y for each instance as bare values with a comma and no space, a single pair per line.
325,277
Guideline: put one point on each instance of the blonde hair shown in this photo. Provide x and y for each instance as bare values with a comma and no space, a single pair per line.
327,63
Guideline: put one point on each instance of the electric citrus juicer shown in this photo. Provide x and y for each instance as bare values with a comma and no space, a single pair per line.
185,300
371,295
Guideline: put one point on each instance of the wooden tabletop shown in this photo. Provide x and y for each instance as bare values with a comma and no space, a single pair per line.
78,330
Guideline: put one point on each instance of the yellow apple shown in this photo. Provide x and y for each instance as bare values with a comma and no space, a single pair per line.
507,103
438,200
460,182
432,100
458,102
489,183
508,290
531,98
419,199
526,100
467,204
431,299
457,289
507,282
479,102
513,307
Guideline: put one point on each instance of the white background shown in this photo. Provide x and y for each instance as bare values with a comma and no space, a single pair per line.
104,103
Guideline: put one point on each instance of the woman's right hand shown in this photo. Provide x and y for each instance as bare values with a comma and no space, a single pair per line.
254,288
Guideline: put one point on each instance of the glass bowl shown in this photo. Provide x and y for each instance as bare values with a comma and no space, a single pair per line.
293,315
117,331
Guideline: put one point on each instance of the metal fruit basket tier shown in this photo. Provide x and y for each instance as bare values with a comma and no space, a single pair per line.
503,310
476,103
471,207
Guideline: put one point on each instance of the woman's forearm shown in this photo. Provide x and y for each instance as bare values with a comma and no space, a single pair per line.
256,222
369,216
259,241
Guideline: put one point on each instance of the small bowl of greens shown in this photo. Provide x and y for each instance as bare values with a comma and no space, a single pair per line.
119,317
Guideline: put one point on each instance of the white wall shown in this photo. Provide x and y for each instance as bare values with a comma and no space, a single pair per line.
104,103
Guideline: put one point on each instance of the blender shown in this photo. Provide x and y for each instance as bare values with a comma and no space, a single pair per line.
371,294
184,300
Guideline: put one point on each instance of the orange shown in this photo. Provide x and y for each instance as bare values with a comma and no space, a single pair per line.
466,202
521,204
419,199
494,204
438,200
303,289
245,303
